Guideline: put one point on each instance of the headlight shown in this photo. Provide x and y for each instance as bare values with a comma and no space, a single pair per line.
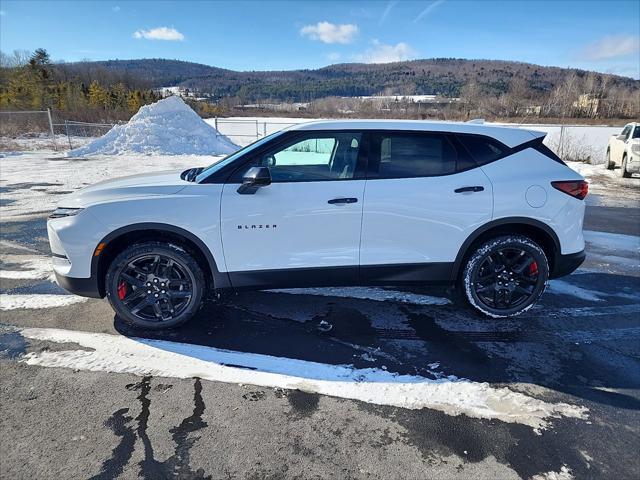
65,212
635,148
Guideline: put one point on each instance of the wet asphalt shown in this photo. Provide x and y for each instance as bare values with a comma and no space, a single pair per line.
60,423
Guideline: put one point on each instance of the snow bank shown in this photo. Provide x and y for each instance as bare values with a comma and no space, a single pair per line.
166,127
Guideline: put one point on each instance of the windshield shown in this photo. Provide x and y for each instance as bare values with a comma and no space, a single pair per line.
214,167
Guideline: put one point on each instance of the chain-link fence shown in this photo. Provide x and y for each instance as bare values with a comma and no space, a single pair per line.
245,131
79,133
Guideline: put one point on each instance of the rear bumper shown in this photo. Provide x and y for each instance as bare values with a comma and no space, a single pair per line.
566,264
85,287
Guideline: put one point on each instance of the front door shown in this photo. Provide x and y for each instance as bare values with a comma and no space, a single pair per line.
304,228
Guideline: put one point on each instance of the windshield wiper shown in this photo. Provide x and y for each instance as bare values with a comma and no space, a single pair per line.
190,174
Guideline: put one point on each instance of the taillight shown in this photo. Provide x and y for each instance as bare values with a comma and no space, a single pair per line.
576,188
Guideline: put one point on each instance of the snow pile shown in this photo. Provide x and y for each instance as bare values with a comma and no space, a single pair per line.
168,127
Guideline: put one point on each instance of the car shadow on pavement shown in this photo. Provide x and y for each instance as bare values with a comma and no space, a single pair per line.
573,343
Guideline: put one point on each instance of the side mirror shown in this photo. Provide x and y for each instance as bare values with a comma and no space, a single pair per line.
253,179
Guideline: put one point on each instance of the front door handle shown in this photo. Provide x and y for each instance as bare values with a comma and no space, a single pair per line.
338,201
477,188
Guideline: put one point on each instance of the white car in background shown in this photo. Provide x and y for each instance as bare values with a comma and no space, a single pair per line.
624,150
331,203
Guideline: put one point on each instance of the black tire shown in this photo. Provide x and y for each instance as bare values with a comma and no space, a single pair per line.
623,168
155,285
608,164
505,276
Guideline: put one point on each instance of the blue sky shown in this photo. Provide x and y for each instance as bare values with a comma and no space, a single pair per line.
594,35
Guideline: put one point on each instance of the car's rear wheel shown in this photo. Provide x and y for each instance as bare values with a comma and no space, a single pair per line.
608,164
505,276
623,168
155,285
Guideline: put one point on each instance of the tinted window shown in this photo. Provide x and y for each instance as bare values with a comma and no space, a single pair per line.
636,132
411,155
482,149
313,157
625,131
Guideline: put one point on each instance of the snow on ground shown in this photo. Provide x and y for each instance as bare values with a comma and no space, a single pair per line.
34,267
613,252
563,474
366,293
168,127
32,183
38,301
114,353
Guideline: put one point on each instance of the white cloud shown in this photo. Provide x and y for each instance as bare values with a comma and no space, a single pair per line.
116,9
430,8
381,53
159,33
612,46
330,32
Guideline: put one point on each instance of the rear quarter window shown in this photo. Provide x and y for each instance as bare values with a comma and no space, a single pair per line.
482,149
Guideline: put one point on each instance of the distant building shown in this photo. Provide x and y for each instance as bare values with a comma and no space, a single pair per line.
587,104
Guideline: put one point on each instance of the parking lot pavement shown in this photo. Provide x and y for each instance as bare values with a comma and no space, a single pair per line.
317,383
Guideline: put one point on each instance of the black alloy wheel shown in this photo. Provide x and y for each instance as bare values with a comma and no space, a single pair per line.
506,276
155,285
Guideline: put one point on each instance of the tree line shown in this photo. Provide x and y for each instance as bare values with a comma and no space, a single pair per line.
30,81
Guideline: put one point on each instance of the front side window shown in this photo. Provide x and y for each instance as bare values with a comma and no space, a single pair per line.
636,132
411,155
313,157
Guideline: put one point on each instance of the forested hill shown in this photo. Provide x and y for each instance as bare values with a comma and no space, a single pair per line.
442,76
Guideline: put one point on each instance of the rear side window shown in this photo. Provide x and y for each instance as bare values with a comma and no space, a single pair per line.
482,149
411,155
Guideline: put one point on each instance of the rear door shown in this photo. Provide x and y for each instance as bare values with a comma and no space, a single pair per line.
423,197
308,218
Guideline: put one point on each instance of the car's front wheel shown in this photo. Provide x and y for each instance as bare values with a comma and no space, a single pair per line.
505,276
623,169
155,285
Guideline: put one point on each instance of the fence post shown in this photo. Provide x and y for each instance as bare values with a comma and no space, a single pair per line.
560,146
257,130
264,129
66,130
215,124
53,136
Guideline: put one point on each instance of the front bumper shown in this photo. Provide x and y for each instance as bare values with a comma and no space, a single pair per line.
84,287
566,264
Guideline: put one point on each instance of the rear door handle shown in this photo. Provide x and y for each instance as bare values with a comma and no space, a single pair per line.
477,188
337,201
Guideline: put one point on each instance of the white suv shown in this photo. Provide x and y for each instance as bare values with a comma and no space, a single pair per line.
330,203
624,149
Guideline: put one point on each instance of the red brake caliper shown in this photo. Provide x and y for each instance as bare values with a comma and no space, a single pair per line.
122,290
533,269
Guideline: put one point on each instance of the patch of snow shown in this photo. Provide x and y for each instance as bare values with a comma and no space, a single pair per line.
113,353
168,127
565,288
37,301
614,242
563,474
367,293
31,267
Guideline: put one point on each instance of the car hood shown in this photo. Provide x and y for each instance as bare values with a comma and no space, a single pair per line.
141,185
